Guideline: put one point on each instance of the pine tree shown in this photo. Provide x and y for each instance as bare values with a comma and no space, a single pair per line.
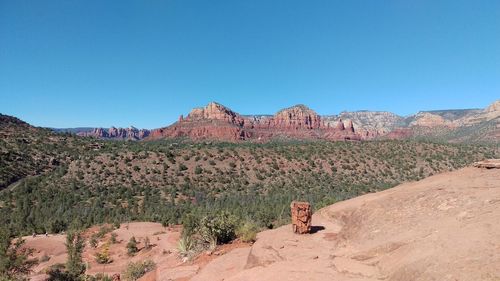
74,245
14,258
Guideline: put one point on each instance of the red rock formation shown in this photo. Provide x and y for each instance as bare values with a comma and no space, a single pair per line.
117,133
218,122
350,126
399,133
301,217
340,125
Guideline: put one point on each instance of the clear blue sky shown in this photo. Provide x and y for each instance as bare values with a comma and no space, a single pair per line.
101,63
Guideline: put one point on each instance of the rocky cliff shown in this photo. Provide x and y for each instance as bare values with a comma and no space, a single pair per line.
216,121
130,133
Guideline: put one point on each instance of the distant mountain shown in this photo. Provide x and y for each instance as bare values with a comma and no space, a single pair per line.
374,123
453,125
130,133
465,125
75,131
218,122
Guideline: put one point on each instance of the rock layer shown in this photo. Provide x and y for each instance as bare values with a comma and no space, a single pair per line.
216,121
130,133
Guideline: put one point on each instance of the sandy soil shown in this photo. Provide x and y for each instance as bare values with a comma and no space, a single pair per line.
164,241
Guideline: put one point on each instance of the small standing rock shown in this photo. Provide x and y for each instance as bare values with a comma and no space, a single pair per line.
301,217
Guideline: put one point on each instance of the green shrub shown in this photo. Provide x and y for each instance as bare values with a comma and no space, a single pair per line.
103,256
93,241
185,246
220,227
44,258
147,244
247,232
136,270
113,238
132,246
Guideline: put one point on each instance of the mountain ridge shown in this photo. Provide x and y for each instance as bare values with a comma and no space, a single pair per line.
219,122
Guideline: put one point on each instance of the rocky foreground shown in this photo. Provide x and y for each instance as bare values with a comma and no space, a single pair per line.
444,227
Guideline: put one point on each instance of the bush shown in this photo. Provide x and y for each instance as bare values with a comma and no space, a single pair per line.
132,246
93,241
136,270
103,256
147,244
220,227
113,238
198,170
185,246
248,231
44,258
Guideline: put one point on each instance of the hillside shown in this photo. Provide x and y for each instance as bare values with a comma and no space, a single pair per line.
27,151
116,181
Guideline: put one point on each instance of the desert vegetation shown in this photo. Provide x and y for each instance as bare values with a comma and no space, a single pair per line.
165,181
51,181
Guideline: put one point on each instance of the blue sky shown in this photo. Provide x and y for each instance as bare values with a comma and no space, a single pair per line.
101,63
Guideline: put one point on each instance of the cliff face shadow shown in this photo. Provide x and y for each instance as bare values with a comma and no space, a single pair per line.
316,228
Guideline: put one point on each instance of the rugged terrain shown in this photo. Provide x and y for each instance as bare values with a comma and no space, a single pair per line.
217,122
51,180
444,227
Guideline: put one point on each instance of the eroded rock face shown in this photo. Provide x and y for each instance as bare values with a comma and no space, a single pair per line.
131,133
216,121
399,133
215,111
297,117
301,217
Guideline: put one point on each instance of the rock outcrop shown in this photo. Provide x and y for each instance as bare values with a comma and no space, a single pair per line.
441,228
216,121
488,164
130,133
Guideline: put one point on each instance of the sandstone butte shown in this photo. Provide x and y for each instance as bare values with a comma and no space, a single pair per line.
216,121
444,227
